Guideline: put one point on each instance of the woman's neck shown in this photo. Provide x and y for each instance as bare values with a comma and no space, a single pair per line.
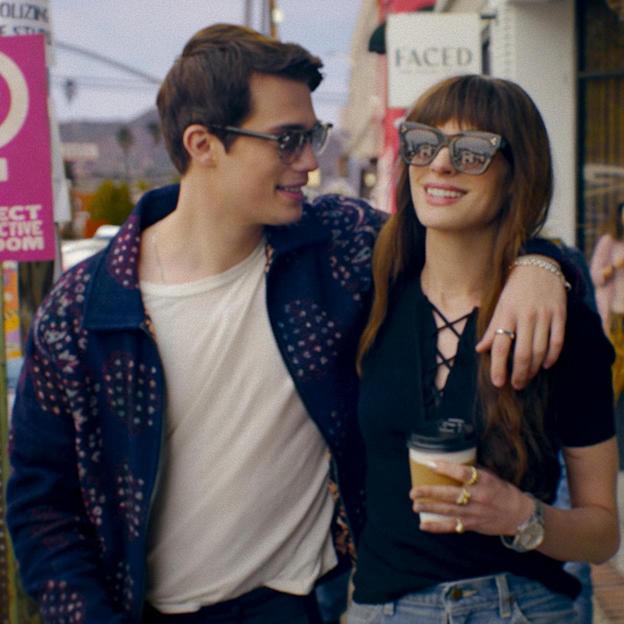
456,270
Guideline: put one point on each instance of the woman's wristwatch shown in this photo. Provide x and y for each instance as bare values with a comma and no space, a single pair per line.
530,534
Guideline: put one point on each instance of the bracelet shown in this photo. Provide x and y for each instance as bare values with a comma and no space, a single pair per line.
543,264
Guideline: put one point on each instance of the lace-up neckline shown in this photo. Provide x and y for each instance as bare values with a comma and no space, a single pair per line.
433,392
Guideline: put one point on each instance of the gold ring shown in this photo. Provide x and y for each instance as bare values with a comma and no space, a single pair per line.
474,476
464,497
459,526
505,332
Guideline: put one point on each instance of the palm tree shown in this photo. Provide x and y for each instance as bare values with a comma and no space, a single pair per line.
125,138
153,129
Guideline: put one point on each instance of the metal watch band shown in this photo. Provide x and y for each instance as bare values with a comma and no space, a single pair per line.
530,534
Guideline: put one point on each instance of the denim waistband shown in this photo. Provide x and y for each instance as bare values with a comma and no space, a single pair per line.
468,594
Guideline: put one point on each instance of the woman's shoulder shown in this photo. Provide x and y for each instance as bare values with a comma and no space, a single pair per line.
584,333
583,390
607,237
606,242
587,354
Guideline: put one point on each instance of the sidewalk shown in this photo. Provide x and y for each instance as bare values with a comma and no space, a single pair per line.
608,578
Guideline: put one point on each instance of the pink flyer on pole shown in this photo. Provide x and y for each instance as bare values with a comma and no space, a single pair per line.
26,212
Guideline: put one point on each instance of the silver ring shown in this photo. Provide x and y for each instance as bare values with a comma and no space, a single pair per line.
505,332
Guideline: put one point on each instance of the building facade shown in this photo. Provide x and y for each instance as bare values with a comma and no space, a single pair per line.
568,55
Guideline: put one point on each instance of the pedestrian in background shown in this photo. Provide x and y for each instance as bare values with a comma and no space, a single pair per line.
607,272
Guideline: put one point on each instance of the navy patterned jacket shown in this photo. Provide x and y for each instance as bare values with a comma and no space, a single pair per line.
87,424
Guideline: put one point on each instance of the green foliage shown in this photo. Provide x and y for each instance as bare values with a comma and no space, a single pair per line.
142,186
111,202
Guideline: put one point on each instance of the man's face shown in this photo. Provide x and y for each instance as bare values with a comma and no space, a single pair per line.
253,184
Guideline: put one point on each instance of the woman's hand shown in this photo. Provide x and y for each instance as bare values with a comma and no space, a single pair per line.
607,273
488,505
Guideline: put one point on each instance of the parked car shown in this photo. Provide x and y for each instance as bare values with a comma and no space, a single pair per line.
106,231
74,251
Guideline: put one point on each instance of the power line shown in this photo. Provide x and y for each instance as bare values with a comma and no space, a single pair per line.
70,83
110,83
70,47
95,82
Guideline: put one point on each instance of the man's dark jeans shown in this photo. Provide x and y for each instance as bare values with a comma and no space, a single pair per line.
260,606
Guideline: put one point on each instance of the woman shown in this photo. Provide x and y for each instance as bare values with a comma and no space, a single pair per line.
607,269
475,184
607,273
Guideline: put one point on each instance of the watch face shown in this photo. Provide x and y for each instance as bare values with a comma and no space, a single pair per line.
531,537
530,534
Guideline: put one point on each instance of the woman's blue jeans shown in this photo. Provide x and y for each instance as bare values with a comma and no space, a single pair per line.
501,598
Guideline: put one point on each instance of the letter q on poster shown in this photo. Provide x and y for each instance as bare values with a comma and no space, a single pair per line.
26,216
18,106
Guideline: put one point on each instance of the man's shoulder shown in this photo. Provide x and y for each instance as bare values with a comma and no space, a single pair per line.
344,215
63,306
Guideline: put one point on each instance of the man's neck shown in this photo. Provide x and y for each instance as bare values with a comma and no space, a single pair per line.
195,241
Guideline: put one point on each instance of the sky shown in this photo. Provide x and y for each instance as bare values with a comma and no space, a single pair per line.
148,35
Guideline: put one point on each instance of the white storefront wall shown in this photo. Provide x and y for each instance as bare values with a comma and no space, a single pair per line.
532,42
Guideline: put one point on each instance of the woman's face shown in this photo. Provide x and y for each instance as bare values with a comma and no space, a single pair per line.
447,200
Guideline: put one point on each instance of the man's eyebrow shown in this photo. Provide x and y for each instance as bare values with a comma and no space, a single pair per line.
287,127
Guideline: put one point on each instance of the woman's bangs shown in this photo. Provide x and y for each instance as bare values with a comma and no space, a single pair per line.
470,103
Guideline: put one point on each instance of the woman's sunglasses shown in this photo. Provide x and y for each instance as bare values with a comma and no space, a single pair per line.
470,152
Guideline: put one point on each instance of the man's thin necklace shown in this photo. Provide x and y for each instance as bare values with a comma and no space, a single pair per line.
161,270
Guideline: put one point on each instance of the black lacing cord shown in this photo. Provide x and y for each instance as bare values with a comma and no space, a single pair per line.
432,394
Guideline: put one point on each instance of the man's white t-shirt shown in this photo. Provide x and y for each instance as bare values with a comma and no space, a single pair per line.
242,500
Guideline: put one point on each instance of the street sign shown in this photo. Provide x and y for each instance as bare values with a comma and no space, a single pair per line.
31,17
423,48
26,213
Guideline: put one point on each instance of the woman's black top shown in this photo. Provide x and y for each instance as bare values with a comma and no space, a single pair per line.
396,558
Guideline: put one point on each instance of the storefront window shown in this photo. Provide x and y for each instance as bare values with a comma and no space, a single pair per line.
601,116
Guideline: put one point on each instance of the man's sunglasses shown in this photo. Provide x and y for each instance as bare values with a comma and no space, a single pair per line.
470,152
290,143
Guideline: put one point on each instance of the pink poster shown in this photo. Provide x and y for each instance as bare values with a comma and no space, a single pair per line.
26,214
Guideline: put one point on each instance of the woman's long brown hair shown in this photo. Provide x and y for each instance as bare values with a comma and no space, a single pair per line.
512,441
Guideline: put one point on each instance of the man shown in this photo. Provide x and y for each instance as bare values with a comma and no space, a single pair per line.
182,388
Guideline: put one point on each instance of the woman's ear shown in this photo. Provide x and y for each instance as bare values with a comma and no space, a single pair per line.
202,146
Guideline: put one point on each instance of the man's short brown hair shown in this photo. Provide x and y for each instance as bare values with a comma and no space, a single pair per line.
209,83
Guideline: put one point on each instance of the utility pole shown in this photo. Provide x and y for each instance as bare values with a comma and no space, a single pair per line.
260,15
273,28
248,16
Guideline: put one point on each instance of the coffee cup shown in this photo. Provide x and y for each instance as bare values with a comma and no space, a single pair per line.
451,440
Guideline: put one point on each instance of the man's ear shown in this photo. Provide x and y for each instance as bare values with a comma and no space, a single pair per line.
202,146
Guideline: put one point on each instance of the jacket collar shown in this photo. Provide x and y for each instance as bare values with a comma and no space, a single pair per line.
113,299
306,231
